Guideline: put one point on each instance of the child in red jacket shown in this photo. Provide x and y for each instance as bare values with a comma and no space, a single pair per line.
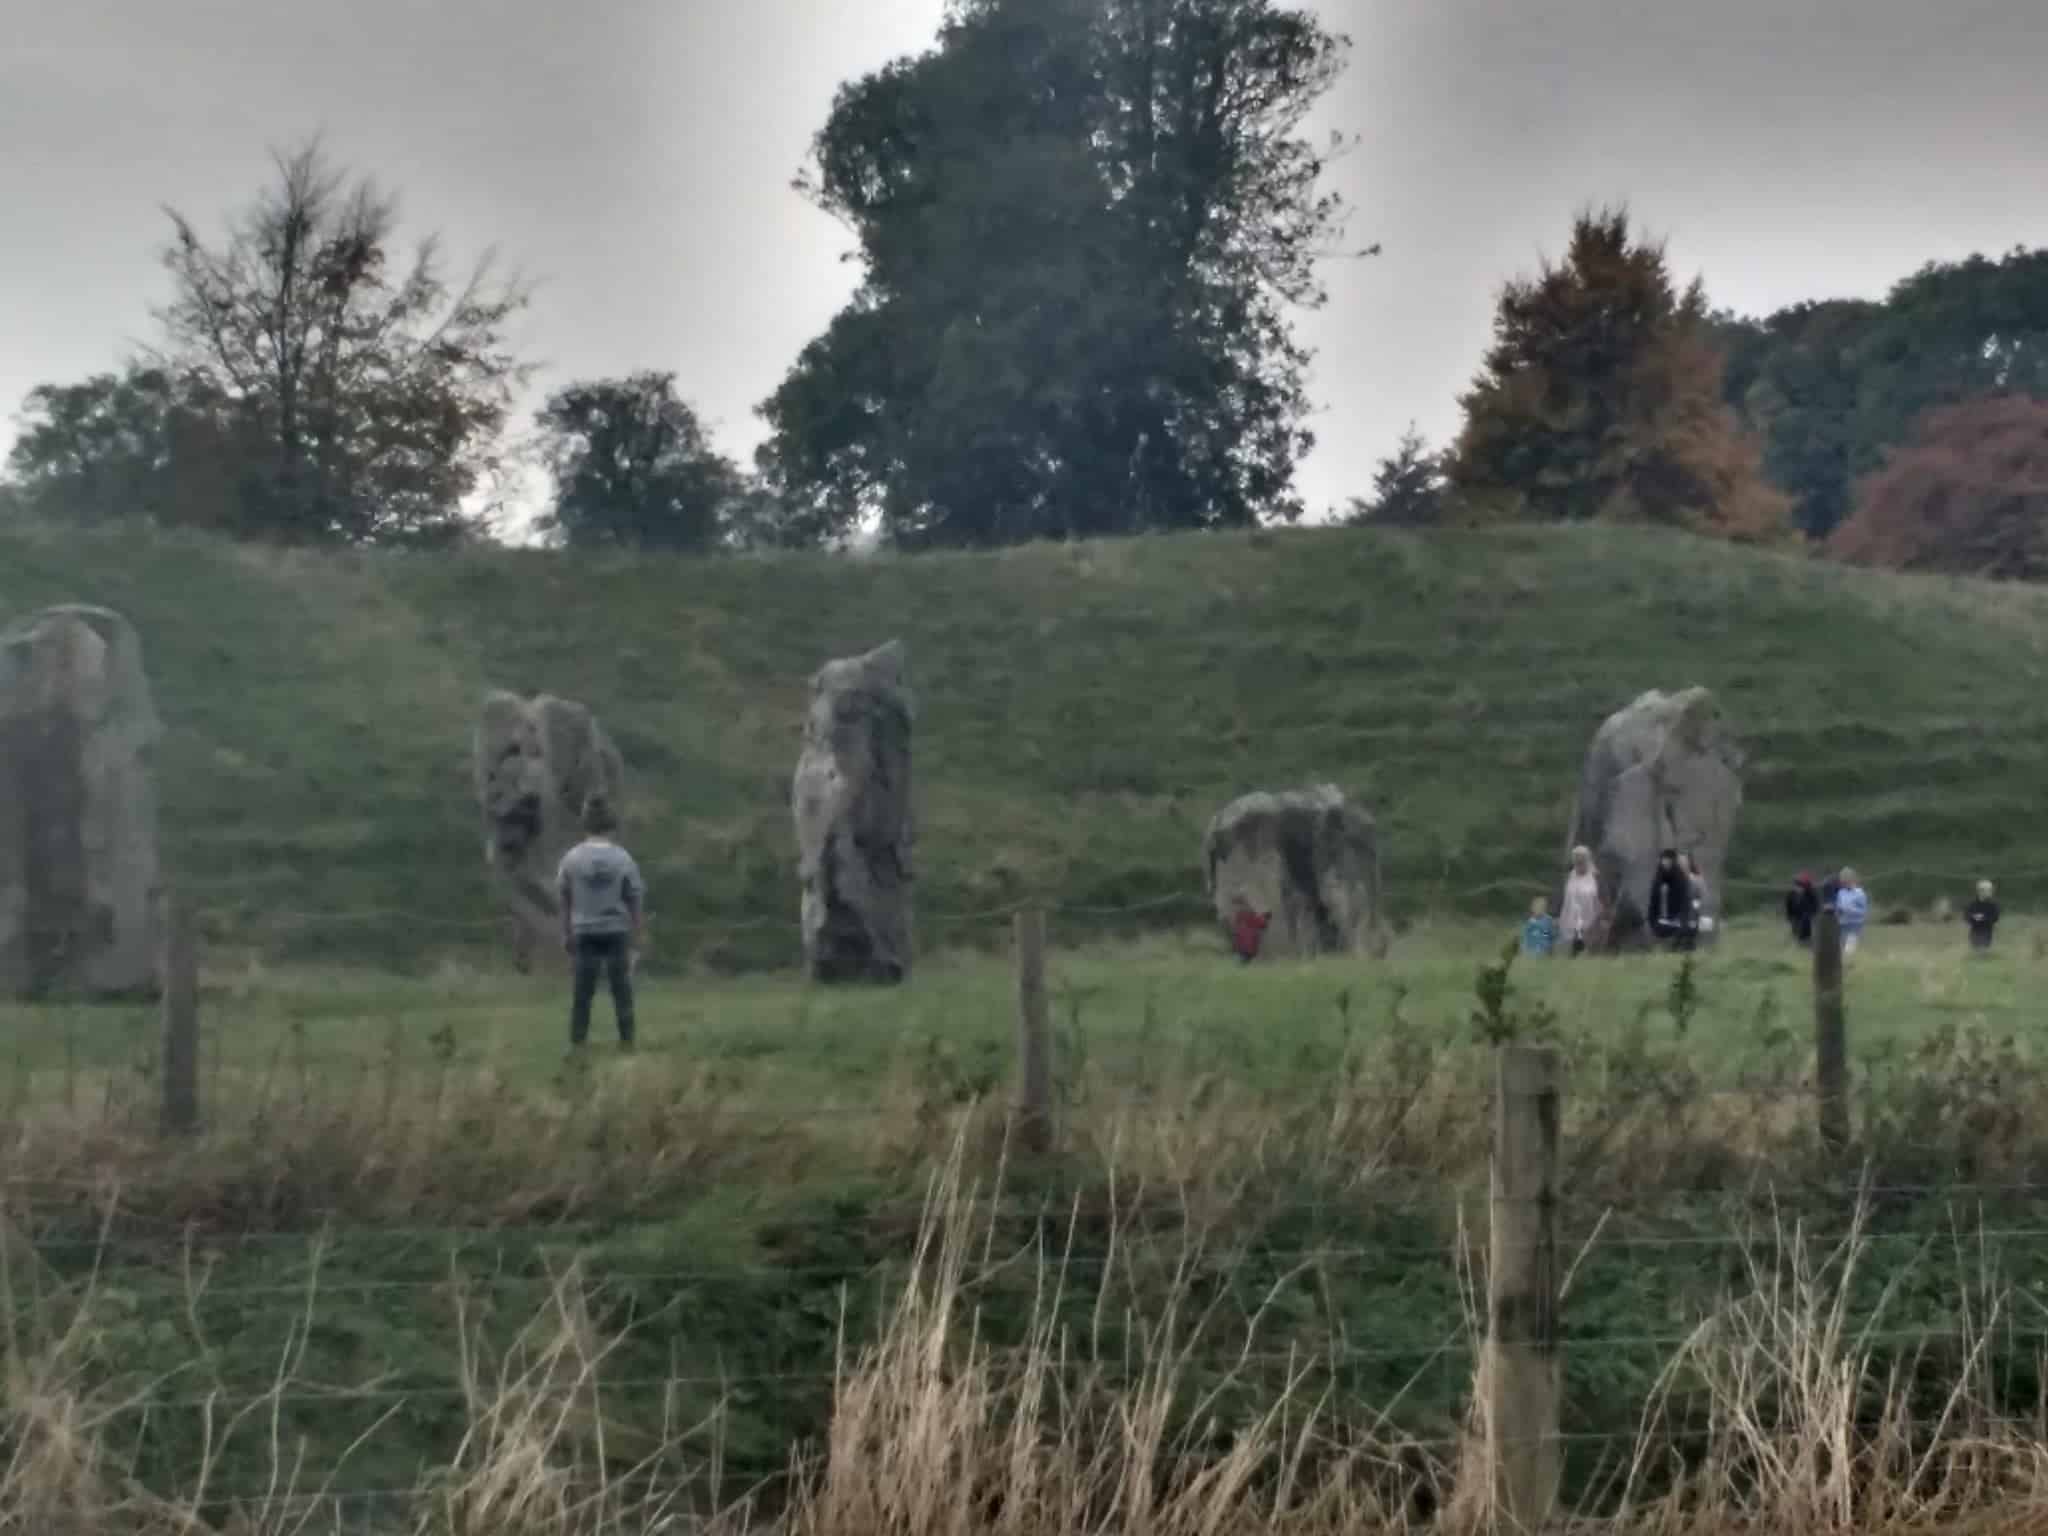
1247,929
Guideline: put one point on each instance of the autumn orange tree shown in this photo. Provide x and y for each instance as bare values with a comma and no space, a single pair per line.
1968,493
1600,398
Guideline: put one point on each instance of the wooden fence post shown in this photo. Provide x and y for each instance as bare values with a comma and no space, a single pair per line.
1034,1035
1830,1033
179,984
1521,1377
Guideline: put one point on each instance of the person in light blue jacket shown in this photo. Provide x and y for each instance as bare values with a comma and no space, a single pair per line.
1852,906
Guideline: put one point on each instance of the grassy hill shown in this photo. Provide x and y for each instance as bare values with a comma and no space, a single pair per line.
1083,711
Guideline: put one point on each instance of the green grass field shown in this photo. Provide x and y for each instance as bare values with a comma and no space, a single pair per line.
1083,711
1297,1154
400,1168
1176,1001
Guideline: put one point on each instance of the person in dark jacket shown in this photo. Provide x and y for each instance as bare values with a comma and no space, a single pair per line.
1802,908
1670,908
1982,916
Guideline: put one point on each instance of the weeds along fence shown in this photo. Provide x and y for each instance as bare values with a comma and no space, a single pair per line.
333,1390
1515,1289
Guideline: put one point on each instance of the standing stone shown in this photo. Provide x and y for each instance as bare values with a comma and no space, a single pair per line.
1309,859
537,760
79,898
1666,772
852,802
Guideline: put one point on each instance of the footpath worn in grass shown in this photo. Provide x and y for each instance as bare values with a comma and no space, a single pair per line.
1274,1175
1083,711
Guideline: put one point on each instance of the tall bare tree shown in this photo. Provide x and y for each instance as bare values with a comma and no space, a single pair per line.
377,390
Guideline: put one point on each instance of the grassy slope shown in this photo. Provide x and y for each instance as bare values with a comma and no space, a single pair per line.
1083,711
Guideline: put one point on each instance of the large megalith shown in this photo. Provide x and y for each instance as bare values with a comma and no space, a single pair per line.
79,898
536,762
852,803
1665,772
1308,860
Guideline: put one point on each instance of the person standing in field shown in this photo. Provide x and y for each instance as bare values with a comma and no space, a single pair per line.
1802,908
1539,933
1696,882
1982,916
1670,908
602,901
1247,931
1581,910
1852,906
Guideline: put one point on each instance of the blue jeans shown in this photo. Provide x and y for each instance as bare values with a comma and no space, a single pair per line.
611,953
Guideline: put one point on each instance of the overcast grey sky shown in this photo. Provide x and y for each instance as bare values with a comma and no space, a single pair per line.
635,157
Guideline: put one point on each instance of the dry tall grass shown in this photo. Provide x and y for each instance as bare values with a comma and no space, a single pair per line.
1774,1416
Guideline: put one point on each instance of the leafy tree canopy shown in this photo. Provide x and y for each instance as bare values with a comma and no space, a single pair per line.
1081,224
147,444
1968,493
314,383
1833,386
1600,397
1407,488
631,465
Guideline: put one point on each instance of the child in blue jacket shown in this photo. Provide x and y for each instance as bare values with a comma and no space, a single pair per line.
1852,906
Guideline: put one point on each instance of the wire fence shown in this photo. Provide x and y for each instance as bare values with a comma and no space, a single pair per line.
113,1238
390,1392
340,1277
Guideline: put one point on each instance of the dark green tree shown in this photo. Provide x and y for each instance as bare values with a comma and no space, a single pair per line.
631,465
1407,488
1081,225
1792,379
143,445
373,391
1601,398
1834,387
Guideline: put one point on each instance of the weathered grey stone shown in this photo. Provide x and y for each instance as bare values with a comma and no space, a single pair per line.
851,798
1665,772
79,897
536,762
1308,859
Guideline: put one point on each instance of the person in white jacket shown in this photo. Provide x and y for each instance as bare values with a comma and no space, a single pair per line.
1702,900
1852,906
1580,913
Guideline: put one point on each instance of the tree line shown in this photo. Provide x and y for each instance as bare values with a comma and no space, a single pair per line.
1910,431
1084,228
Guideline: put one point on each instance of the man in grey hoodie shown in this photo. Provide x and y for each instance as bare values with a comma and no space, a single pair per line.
601,897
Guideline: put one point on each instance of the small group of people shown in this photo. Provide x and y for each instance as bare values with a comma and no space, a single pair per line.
603,902
1844,894
1579,920
1677,910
